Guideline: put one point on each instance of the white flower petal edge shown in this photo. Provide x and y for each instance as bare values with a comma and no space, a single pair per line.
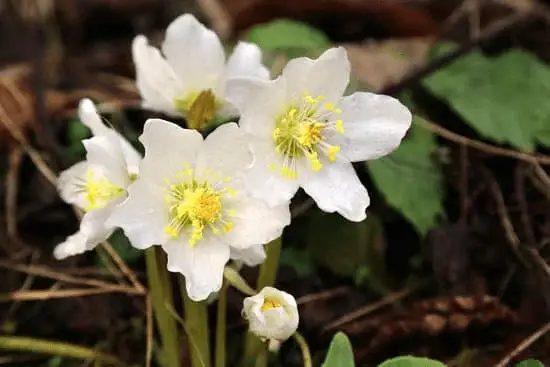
189,198
246,60
305,134
194,52
272,314
374,125
89,116
338,189
201,265
155,79
251,256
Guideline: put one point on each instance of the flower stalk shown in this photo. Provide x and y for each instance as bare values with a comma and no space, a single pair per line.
196,321
221,329
160,293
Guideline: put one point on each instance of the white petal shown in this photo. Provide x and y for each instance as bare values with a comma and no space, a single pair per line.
143,215
157,83
246,60
70,185
226,152
202,265
251,256
261,106
87,113
93,231
256,223
194,52
73,245
168,148
262,182
239,92
327,76
336,188
105,155
374,125
94,224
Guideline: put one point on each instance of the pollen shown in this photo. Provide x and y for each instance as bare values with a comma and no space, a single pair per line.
200,108
270,303
301,131
99,190
195,206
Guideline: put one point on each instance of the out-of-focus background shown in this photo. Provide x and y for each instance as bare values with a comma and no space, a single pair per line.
452,261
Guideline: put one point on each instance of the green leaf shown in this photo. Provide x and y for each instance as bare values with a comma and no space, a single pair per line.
410,361
299,260
504,98
411,180
530,363
340,352
76,131
349,249
285,34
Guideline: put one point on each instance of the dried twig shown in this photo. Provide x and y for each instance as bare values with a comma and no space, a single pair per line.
40,295
484,147
363,311
12,185
523,345
48,273
329,293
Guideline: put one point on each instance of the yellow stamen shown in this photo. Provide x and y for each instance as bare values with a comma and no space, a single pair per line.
99,191
300,132
200,108
196,206
332,151
270,303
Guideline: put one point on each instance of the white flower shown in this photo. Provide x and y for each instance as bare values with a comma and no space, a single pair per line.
96,185
190,79
303,133
272,314
189,198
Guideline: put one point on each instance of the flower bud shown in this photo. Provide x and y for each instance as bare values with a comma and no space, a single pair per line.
272,314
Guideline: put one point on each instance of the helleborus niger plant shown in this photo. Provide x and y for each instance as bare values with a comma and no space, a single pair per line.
190,77
190,199
205,205
98,184
304,133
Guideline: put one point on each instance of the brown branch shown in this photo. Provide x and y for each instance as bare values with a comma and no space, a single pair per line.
523,345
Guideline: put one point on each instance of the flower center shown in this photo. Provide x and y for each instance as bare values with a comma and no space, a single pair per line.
270,303
99,190
196,205
300,131
200,108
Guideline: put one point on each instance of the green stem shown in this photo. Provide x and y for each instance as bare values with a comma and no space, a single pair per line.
221,324
269,268
196,320
306,355
161,294
32,345
255,352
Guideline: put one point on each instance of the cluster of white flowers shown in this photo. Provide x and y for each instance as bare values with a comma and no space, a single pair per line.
206,201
